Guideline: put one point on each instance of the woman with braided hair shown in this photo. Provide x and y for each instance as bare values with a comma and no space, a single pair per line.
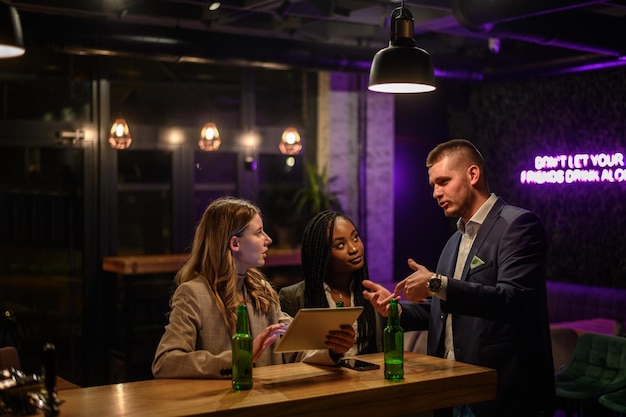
220,274
334,267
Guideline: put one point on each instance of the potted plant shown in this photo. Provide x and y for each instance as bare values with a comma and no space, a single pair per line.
316,196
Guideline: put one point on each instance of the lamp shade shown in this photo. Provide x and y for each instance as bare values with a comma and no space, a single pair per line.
119,137
290,142
11,41
402,67
209,138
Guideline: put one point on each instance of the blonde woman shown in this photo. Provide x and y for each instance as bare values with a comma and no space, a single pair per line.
221,273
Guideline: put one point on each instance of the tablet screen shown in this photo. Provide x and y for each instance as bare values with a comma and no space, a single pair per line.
309,328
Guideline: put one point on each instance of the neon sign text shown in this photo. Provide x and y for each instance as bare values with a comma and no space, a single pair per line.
576,168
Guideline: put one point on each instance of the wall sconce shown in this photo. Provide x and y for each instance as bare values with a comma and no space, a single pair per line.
402,67
70,136
290,143
209,138
249,163
119,138
11,41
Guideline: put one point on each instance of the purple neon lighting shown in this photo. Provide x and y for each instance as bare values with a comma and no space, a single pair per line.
460,75
591,67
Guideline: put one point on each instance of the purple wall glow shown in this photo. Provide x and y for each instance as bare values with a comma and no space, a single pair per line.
573,168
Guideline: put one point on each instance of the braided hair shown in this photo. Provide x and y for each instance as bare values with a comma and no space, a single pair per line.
316,248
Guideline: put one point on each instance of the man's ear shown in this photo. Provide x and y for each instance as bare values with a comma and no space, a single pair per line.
234,243
473,173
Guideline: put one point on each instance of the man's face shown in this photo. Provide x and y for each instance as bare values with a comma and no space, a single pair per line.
451,188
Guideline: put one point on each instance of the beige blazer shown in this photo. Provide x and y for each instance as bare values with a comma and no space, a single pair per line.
196,342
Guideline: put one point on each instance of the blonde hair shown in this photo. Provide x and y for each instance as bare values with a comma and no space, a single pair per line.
212,260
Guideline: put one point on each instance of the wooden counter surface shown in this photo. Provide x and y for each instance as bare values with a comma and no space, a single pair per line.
63,384
296,389
156,264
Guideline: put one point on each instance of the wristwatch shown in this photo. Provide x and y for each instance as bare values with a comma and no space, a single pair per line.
434,284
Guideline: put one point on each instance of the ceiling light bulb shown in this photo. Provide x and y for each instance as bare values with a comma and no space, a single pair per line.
290,143
209,138
119,137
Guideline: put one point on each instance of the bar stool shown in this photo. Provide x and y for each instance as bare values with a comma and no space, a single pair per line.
597,367
615,401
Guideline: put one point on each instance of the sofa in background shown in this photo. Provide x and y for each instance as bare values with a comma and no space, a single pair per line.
572,302
569,302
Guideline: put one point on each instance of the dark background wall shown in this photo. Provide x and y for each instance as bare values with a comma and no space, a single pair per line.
511,123
420,229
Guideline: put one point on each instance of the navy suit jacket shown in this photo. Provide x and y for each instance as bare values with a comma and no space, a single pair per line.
499,308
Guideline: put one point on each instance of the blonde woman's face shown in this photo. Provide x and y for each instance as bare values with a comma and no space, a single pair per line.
251,247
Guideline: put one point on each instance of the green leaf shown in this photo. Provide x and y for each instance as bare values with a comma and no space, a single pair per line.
316,197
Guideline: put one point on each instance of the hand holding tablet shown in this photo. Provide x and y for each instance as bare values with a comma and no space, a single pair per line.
309,328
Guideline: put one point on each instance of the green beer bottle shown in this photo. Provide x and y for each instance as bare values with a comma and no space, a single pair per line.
242,351
393,344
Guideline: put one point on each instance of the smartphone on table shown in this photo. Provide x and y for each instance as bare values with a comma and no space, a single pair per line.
359,365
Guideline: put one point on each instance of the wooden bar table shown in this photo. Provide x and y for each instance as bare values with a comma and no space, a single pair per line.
296,389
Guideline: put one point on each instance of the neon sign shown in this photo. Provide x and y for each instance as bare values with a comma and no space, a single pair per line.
576,168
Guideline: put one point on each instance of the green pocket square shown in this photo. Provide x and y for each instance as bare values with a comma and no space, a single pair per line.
476,261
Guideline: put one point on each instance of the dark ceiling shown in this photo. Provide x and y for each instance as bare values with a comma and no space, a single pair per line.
468,39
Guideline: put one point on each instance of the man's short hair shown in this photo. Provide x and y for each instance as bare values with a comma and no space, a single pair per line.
462,149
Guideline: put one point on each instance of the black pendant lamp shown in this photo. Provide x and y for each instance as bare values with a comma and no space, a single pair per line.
11,42
402,67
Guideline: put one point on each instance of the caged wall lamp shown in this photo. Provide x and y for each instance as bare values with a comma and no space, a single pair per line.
402,67
11,41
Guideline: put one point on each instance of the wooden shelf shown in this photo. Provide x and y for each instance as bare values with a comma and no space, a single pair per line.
143,264
283,257
156,264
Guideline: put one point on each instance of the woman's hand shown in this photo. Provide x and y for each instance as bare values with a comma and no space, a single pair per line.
340,341
266,338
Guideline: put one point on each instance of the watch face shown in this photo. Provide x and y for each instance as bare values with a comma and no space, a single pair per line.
434,284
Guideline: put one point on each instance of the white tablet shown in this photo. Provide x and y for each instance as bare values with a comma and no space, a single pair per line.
309,328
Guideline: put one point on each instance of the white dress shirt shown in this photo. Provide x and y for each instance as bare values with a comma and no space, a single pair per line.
468,232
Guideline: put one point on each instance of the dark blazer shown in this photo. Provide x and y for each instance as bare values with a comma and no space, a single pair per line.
292,298
500,311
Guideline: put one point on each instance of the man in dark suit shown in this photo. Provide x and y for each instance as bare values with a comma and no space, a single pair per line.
486,302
